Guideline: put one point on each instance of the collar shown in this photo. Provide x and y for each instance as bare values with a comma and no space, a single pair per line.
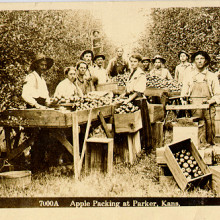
81,81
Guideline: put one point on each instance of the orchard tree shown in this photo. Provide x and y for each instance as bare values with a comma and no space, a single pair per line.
59,34
175,29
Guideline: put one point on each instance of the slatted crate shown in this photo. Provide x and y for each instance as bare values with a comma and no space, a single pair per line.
174,167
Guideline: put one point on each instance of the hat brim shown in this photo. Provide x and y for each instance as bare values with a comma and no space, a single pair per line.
85,52
162,60
49,61
203,53
98,56
149,60
182,51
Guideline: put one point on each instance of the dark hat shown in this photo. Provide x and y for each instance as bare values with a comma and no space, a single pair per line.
183,51
97,56
145,58
136,56
159,57
85,52
40,57
203,53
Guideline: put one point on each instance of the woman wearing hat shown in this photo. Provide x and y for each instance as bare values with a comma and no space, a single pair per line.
180,70
158,69
203,87
35,91
68,87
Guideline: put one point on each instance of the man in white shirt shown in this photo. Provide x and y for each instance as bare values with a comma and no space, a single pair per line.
180,70
99,73
35,91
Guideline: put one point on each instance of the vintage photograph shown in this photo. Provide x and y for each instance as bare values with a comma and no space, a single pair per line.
110,100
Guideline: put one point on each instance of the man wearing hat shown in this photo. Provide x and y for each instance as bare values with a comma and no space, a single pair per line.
99,73
218,66
180,70
146,64
88,56
203,87
117,65
159,69
35,91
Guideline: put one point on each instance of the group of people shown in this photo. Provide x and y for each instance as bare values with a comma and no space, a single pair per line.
201,85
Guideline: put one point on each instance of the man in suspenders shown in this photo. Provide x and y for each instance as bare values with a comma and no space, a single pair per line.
203,87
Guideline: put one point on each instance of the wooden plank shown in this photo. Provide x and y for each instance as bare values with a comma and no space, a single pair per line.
17,151
157,134
110,156
85,139
75,133
104,125
8,138
175,169
187,107
62,139
17,138
130,149
137,141
160,156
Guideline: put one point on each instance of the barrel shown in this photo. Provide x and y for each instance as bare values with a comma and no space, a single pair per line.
16,178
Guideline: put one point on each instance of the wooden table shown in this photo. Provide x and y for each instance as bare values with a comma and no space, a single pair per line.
55,121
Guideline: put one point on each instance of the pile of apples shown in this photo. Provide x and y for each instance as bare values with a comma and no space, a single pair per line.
121,79
188,164
126,108
157,82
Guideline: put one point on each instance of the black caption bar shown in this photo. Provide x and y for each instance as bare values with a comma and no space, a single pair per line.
98,202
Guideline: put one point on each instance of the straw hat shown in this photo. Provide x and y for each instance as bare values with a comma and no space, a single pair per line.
39,57
159,57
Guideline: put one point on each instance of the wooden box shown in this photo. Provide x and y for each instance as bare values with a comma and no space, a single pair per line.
206,154
128,122
194,130
215,170
156,112
174,167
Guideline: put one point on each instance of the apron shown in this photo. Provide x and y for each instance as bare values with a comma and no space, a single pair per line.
201,90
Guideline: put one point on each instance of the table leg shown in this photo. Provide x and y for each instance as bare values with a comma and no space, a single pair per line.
75,145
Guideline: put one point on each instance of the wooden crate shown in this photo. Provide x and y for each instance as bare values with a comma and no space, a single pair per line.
99,154
174,167
215,170
156,112
110,87
206,154
194,130
128,122
217,122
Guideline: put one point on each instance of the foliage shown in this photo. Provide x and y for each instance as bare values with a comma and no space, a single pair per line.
61,35
175,29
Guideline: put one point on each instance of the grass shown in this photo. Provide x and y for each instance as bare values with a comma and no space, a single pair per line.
139,180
